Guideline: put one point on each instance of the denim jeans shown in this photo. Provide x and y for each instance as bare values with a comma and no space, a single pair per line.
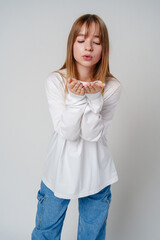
51,211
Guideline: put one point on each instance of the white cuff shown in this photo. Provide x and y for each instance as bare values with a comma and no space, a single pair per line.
74,99
93,95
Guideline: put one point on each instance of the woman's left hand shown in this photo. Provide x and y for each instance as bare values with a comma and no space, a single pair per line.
94,87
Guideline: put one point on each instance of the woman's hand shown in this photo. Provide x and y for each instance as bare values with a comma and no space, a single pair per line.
92,87
76,87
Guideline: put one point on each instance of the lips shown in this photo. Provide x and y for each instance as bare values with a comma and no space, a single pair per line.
87,57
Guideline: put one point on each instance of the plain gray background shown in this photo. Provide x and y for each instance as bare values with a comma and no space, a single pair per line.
32,44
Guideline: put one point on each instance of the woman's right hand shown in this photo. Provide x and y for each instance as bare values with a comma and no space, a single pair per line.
76,87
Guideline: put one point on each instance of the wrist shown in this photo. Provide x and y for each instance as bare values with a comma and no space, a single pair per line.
75,95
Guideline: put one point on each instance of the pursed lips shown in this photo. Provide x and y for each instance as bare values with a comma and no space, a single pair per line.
87,56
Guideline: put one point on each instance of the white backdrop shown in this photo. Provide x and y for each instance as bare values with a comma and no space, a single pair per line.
32,44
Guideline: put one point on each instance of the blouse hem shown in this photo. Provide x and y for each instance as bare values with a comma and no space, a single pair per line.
59,195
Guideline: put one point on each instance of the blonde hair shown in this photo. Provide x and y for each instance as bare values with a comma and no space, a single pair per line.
101,71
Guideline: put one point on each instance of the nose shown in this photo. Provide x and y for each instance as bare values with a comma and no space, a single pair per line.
88,46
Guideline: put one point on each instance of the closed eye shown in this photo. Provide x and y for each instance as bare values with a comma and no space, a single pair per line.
94,42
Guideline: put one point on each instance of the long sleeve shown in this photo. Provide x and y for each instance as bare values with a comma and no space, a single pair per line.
99,113
66,114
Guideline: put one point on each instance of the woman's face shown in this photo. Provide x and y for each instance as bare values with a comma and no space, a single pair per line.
90,46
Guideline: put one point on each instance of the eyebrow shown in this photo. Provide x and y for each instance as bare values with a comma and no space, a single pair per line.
97,36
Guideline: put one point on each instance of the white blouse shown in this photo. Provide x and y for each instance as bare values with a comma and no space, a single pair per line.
78,161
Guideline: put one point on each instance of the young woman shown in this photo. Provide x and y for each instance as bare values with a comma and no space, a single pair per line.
82,97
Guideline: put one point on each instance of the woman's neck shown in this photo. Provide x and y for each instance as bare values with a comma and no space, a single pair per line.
84,74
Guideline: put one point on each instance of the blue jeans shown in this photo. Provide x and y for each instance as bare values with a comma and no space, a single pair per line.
51,211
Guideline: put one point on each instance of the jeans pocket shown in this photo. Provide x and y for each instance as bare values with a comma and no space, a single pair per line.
41,196
40,208
108,197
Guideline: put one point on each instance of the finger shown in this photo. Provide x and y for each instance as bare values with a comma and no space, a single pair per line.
78,87
73,84
82,91
87,88
89,85
94,87
100,84
70,80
